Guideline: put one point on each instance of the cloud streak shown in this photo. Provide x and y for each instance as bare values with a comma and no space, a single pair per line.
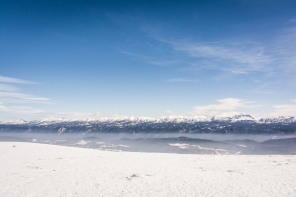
237,58
285,110
181,80
5,79
9,94
20,109
285,49
22,96
223,105
7,87
10,98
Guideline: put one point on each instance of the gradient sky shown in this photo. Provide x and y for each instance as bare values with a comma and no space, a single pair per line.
146,58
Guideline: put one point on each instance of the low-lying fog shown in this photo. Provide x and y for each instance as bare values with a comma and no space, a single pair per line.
165,143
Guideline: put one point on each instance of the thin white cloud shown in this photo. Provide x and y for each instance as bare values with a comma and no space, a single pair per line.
22,96
262,88
285,49
16,105
182,80
271,58
20,112
285,110
2,107
152,60
291,21
223,105
237,58
7,87
19,109
5,79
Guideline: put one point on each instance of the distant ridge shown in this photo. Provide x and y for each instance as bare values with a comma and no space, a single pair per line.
239,123
173,119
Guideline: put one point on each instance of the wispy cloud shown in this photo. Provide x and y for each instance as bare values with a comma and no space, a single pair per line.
181,80
234,55
20,112
22,96
291,21
14,104
237,58
8,87
285,49
285,110
9,93
262,88
20,109
2,107
5,79
151,59
223,105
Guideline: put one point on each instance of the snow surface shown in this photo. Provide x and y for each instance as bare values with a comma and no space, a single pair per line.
31,169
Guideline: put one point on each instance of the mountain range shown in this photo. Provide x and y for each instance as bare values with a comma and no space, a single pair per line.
239,123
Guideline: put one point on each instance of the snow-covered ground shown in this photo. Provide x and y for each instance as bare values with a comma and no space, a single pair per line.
31,169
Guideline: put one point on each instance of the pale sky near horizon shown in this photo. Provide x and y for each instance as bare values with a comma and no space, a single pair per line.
147,58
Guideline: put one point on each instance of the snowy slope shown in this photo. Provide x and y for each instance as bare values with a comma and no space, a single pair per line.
29,169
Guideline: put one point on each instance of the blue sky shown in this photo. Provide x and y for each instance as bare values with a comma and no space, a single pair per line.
147,58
